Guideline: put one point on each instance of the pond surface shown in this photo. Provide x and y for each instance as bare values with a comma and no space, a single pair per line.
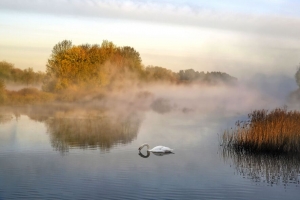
96,157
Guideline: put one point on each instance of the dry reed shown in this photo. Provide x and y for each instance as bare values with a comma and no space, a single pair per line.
277,131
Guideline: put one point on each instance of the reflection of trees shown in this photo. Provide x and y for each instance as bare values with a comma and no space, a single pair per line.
82,127
273,169
91,132
161,106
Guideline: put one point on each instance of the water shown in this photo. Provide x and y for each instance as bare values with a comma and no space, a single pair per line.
54,155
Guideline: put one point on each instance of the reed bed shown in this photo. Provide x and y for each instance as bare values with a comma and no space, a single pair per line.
276,131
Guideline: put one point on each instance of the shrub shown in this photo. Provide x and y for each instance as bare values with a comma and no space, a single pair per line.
277,131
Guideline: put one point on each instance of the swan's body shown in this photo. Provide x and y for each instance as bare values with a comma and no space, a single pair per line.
157,149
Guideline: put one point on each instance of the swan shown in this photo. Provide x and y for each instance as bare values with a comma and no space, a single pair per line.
157,149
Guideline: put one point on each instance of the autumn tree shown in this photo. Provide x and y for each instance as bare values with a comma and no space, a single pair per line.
128,58
2,92
76,65
5,70
89,64
155,73
17,75
106,51
57,57
28,76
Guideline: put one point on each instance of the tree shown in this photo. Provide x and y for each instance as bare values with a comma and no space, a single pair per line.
28,76
189,75
76,65
57,57
39,77
297,76
5,70
130,58
160,74
107,50
17,75
3,96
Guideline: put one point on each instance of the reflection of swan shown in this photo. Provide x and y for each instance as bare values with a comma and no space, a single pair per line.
157,149
143,156
162,154
157,154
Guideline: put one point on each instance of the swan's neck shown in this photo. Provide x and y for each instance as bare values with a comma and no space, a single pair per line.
145,145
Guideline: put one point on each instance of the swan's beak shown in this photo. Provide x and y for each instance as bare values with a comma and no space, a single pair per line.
139,148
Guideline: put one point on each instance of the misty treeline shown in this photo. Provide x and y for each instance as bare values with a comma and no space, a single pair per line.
73,70
12,75
107,64
294,97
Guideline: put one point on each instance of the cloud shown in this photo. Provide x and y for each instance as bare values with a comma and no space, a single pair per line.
178,13
259,36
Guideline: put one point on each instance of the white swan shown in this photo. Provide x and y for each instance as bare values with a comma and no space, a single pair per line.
157,149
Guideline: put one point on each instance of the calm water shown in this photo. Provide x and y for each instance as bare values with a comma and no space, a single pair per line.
59,156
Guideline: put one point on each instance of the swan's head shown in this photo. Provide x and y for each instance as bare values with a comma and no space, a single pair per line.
142,146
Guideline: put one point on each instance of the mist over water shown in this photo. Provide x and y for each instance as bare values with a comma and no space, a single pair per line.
258,92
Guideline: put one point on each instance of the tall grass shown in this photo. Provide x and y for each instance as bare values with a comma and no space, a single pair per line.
277,131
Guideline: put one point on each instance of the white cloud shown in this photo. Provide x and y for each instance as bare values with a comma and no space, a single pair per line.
209,35
177,14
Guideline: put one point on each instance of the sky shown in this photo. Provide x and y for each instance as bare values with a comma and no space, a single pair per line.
237,37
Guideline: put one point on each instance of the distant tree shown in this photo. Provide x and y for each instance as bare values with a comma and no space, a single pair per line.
297,76
5,70
155,73
17,75
210,78
3,96
214,78
10,74
188,75
28,76
39,77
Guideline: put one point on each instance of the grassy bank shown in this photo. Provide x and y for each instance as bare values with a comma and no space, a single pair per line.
27,96
276,131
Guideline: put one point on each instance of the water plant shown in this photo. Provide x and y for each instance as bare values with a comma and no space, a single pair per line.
276,131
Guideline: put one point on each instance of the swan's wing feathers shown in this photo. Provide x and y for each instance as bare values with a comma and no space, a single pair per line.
157,149
166,149
161,149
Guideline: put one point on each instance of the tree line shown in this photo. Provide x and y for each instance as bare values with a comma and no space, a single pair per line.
11,74
101,65
76,68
